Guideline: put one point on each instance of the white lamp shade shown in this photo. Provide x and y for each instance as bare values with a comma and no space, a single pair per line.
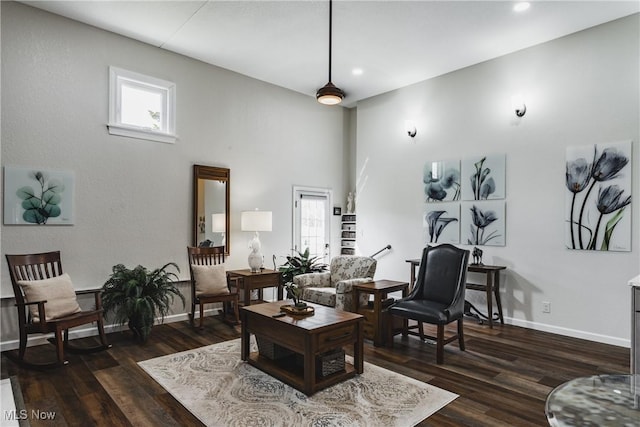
218,223
255,221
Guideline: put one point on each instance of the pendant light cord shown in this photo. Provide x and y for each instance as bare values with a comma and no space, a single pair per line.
330,22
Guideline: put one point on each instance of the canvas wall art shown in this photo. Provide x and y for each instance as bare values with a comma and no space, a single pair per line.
441,224
35,196
441,181
598,197
484,177
483,223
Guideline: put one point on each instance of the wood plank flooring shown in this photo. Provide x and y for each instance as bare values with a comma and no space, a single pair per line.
502,378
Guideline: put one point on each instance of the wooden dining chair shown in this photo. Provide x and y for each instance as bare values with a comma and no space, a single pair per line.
437,297
210,283
46,302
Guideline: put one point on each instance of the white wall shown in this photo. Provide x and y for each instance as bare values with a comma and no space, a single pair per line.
580,90
133,197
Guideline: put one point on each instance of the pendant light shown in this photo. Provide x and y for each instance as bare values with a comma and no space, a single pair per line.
329,94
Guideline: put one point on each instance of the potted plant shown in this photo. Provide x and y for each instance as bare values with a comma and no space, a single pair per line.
138,296
300,264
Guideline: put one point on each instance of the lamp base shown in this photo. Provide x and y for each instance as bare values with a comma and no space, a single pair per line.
255,256
255,262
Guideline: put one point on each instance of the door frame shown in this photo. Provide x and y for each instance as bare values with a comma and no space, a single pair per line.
298,190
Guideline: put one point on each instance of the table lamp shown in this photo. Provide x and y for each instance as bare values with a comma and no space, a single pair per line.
255,221
219,225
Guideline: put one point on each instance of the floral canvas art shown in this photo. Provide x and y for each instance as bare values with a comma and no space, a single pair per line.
598,197
38,196
441,181
483,178
483,223
441,224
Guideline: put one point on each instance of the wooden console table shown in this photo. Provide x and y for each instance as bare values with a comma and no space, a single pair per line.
374,322
248,281
491,285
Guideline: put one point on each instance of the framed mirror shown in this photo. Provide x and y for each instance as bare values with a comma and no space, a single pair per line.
211,206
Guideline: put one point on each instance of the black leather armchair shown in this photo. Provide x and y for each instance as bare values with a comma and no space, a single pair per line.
438,295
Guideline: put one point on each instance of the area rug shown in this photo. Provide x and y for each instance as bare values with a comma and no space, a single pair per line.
221,390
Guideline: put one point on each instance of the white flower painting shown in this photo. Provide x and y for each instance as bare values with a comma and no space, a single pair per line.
441,224
598,197
483,178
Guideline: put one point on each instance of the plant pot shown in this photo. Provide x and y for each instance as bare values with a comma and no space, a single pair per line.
141,326
300,305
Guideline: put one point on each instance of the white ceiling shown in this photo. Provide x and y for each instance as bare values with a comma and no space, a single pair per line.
395,43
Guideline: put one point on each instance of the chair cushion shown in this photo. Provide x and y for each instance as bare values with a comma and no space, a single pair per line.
422,311
324,296
57,291
210,279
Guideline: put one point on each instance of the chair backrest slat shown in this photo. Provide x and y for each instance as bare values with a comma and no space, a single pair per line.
211,255
32,267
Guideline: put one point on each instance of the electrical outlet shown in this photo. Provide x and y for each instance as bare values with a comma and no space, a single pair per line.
546,307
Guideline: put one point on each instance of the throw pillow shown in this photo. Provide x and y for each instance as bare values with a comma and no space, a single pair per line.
210,279
57,291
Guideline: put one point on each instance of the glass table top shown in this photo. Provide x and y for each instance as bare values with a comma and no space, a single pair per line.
600,400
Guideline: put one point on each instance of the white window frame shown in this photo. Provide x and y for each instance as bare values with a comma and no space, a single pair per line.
167,89
298,191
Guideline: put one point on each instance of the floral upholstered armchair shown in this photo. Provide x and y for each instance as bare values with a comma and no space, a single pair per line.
334,288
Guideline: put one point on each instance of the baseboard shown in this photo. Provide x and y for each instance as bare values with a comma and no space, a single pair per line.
91,330
574,333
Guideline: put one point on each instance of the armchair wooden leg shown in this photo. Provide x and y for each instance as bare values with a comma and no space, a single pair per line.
421,330
23,344
60,345
236,309
192,315
460,335
440,345
201,314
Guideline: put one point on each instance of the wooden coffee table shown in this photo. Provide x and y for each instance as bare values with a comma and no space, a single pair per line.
309,336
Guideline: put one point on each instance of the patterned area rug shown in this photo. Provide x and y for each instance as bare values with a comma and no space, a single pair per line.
222,390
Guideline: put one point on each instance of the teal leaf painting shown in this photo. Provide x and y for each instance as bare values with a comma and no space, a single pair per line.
38,196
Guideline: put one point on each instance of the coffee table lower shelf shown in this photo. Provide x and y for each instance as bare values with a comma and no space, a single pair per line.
289,372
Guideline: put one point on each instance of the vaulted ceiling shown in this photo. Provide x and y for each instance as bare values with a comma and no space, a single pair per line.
393,43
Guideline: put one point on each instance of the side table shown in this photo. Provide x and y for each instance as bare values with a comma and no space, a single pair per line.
374,319
248,281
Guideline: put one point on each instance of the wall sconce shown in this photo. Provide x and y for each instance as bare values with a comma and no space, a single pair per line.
518,105
410,127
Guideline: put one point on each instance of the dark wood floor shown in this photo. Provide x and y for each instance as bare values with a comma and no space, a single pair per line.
503,378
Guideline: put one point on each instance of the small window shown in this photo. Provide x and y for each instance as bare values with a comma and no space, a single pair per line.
141,106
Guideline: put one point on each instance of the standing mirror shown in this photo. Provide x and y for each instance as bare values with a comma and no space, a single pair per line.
211,206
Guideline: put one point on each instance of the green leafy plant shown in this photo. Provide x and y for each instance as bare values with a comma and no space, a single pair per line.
41,205
295,293
300,264
138,296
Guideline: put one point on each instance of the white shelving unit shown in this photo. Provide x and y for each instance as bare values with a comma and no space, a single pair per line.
348,234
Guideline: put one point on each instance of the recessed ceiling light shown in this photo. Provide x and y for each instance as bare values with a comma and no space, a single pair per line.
521,6
357,71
